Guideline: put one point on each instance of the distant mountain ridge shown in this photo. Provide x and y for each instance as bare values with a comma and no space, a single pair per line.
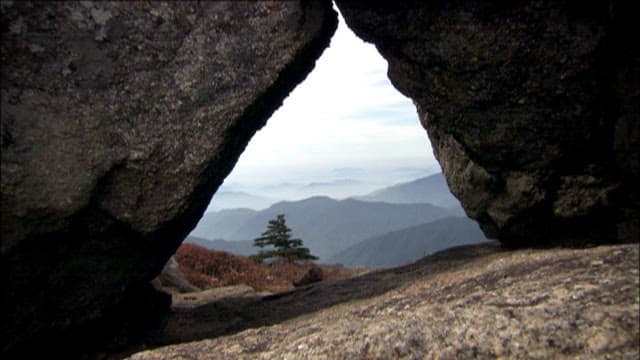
408,245
239,199
222,224
326,226
432,189
244,248
339,189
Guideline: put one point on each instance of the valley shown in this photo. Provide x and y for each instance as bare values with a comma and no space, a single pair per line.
422,214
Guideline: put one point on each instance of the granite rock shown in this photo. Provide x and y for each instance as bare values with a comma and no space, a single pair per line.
476,301
119,122
532,108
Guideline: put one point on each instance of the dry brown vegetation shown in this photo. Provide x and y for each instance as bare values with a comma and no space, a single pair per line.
207,269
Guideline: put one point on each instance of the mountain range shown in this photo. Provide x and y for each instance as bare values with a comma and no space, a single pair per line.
327,226
408,245
431,189
244,248
391,249
238,199
354,231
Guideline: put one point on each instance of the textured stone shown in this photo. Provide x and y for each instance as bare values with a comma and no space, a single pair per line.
532,108
232,294
119,121
470,302
171,279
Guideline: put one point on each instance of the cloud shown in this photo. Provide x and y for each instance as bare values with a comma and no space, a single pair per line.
346,112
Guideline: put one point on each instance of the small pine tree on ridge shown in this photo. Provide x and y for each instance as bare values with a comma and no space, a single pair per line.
278,235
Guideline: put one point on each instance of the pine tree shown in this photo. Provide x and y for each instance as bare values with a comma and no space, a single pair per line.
278,235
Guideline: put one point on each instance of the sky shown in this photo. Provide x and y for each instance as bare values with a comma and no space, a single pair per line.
345,120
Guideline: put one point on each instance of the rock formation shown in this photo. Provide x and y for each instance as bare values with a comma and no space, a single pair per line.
171,280
119,121
472,302
532,108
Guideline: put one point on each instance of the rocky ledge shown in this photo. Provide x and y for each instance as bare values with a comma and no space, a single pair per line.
469,302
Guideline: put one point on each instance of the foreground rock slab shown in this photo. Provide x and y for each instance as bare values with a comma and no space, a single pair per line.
119,121
192,300
475,301
532,108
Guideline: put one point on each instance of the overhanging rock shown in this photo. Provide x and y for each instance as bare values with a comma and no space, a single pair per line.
119,121
532,109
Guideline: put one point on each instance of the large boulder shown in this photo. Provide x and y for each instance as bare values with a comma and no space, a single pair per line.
532,108
119,122
171,280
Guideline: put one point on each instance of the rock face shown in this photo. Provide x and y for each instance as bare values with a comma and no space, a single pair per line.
171,279
471,302
532,108
119,121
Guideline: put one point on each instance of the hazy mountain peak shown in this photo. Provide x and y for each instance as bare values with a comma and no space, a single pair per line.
432,189
409,244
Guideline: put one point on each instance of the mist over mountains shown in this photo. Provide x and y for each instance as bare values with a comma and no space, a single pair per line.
326,226
399,221
260,190
431,189
239,199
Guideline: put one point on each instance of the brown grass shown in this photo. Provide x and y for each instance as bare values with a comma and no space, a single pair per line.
211,268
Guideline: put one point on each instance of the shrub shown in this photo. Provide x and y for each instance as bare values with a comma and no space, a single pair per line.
207,269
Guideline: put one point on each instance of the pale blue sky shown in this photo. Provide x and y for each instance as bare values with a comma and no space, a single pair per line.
346,114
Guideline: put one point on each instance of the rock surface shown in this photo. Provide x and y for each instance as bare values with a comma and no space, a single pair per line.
119,121
532,108
171,279
195,299
469,302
